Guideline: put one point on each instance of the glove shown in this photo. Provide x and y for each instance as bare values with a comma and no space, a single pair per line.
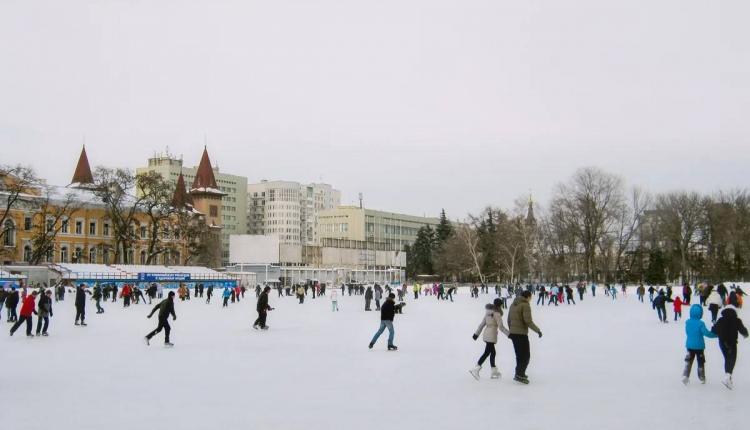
540,334
148,316
474,336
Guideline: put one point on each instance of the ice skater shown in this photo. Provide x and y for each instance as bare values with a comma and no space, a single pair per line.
262,307
519,323
225,295
11,303
660,304
334,300
714,302
209,293
491,323
387,312
80,302
165,308
45,312
368,298
727,329
28,308
97,296
677,308
695,330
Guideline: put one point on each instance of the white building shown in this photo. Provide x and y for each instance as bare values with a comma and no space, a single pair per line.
288,209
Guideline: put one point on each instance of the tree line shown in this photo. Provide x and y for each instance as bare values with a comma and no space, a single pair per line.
594,228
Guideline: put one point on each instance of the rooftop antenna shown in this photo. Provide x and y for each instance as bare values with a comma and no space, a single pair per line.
360,200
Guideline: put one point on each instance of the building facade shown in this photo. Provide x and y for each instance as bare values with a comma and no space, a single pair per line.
233,202
84,233
289,210
352,223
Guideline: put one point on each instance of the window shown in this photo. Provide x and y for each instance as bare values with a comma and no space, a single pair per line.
77,255
64,254
143,232
64,226
27,254
92,255
143,257
49,256
92,228
79,227
105,255
213,211
27,223
50,225
10,233
105,229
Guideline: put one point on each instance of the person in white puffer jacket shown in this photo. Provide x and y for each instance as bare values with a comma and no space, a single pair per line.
490,325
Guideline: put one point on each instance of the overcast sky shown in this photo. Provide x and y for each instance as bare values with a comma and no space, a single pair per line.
417,104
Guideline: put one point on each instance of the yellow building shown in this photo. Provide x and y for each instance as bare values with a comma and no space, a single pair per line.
85,234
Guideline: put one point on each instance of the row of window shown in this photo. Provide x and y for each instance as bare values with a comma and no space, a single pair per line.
77,256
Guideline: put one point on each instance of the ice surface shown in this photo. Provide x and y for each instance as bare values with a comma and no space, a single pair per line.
600,365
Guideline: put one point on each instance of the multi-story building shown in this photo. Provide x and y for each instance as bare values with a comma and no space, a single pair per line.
234,189
288,209
353,223
78,228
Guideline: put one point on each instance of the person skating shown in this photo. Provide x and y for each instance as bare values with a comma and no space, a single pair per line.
640,292
301,294
660,304
651,291
727,329
209,293
97,296
378,295
334,300
368,298
569,295
695,330
11,303
491,323
28,308
714,302
262,307
677,308
81,304
519,323
225,295
45,312
387,312
165,308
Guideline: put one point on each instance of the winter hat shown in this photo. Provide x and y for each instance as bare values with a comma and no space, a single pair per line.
497,302
171,294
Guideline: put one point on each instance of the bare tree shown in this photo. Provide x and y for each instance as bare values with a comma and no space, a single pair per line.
468,237
156,201
628,222
680,216
588,205
15,182
48,223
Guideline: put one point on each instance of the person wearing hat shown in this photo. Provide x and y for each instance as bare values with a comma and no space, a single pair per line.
45,311
27,309
165,308
11,302
491,323
81,304
262,307
387,312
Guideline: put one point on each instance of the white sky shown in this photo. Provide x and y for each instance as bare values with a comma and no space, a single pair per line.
418,104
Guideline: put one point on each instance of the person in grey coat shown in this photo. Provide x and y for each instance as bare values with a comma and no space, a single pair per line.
490,325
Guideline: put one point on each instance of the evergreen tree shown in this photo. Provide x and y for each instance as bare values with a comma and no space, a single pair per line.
444,230
422,251
655,273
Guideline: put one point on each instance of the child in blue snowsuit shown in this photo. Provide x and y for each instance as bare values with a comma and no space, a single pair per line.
225,295
696,330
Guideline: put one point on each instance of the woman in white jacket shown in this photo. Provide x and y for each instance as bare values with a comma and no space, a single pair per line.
491,324
714,303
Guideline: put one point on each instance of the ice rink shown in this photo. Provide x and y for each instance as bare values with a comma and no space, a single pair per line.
600,365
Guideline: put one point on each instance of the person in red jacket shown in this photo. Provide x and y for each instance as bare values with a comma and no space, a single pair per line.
27,309
678,308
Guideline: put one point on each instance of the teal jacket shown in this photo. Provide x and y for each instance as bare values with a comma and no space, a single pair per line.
696,330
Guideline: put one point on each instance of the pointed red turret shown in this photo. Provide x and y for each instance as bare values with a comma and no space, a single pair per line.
204,177
82,175
181,198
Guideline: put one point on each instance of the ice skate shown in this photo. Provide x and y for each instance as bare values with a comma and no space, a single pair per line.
369,346
45,334
475,372
728,381
392,348
702,375
29,335
168,344
265,327
685,380
146,339
495,373
521,379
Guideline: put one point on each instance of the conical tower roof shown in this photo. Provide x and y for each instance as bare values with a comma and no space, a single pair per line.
205,182
181,198
82,175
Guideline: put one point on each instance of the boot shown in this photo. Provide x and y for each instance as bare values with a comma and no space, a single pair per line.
702,374
475,372
495,373
392,348
371,345
728,381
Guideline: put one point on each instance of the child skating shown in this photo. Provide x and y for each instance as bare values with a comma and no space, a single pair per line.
696,330
491,323
727,328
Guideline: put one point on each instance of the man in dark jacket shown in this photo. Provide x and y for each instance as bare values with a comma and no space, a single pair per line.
165,308
368,298
660,304
387,311
727,328
519,323
11,302
81,304
45,311
262,308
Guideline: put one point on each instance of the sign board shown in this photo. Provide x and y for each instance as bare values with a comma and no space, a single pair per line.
163,277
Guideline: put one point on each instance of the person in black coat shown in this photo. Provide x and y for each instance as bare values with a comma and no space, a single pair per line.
262,307
387,312
727,329
660,304
81,292
165,308
45,311
11,302
368,298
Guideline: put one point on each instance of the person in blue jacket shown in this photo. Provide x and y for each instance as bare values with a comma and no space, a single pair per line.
225,295
696,330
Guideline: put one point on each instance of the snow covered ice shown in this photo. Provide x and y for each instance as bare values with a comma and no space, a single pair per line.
600,365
